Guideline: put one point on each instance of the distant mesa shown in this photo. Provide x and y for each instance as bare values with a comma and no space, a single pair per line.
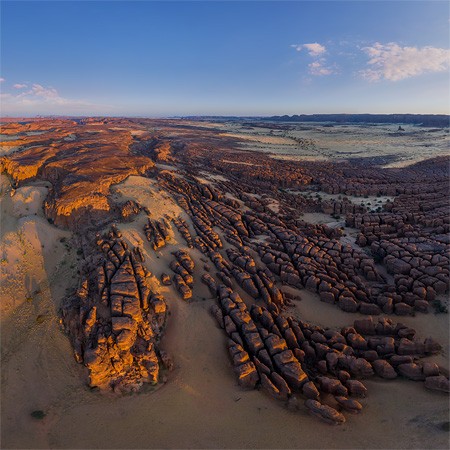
425,120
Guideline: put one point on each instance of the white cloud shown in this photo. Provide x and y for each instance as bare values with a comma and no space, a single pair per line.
43,93
394,63
319,68
39,94
2,80
19,86
39,99
314,49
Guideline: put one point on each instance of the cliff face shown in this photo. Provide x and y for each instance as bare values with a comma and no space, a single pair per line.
81,162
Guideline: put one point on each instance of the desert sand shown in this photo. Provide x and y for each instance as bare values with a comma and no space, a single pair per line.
317,141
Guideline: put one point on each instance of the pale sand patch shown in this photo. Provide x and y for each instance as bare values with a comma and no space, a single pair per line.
31,250
27,200
317,218
6,150
208,177
148,194
306,156
357,200
240,162
8,137
37,367
262,139
274,205
168,167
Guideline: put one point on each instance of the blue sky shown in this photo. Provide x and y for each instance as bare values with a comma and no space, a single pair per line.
224,58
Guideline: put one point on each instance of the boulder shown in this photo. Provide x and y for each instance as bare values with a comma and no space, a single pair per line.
412,371
365,326
324,412
310,391
437,383
384,369
348,304
356,388
350,405
360,368
247,375
430,369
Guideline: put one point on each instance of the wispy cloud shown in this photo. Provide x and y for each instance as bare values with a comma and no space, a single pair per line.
44,100
319,66
393,62
314,49
40,92
2,80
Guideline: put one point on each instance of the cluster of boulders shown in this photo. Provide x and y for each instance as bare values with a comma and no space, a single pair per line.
262,171
371,180
157,232
129,209
183,267
336,207
290,359
114,320
410,237
299,254
183,228
418,260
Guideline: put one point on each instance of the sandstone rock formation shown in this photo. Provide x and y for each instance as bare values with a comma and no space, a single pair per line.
114,320
246,229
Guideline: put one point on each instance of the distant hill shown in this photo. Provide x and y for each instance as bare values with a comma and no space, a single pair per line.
426,120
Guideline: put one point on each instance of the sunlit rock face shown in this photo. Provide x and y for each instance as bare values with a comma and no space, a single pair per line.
81,162
114,319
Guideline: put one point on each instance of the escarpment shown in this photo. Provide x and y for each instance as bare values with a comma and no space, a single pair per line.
82,163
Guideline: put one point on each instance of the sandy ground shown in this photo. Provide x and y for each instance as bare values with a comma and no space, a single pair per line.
37,367
370,201
263,139
201,406
318,142
31,251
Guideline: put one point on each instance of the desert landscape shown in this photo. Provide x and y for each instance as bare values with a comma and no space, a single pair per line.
249,283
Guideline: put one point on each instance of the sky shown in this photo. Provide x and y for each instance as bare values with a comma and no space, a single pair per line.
245,58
